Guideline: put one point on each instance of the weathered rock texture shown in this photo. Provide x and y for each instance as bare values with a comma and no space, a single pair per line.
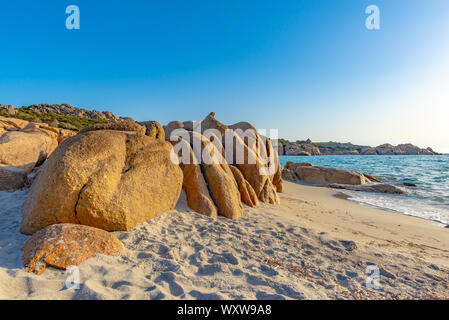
220,180
170,127
154,129
247,193
258,163
289,175
324,176
12,178
27,148
112,180
25,145
128,125
195,186
224,177
63,245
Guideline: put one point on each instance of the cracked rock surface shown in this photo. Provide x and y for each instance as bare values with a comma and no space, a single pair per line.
108,179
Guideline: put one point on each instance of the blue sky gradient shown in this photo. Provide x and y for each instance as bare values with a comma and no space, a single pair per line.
309,68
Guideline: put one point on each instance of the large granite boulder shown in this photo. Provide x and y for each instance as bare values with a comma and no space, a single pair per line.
112,180
324,176
64,245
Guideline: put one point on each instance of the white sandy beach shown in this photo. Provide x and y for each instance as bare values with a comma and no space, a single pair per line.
292,251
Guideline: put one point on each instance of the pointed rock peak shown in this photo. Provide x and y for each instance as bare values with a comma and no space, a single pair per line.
211,115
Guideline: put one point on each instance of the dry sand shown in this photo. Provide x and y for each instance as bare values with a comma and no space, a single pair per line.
299,250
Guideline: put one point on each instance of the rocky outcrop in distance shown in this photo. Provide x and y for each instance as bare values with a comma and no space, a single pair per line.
309,148
64,109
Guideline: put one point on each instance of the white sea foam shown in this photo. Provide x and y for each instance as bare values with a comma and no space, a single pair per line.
429,200
402,204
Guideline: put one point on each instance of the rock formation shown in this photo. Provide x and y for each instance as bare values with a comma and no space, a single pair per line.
325,176
247,176
109,179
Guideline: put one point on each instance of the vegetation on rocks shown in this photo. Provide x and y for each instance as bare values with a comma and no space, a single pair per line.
64,121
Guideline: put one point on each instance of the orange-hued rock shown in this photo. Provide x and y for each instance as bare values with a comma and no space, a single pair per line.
257,166
194,184
221,183
211,123
112,180
277,179
12,124
154,129
247,193
269,194
63,245
123,125
273,157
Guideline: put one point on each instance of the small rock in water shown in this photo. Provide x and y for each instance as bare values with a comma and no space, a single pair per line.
409,184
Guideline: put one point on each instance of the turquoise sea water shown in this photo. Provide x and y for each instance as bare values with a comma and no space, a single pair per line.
429,200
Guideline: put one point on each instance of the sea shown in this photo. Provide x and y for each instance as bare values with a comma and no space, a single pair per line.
429,200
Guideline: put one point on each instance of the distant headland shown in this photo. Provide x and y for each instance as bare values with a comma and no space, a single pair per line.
309,148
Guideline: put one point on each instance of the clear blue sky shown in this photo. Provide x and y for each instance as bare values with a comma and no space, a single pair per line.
309,68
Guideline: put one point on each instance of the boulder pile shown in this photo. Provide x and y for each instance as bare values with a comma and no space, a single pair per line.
114,176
